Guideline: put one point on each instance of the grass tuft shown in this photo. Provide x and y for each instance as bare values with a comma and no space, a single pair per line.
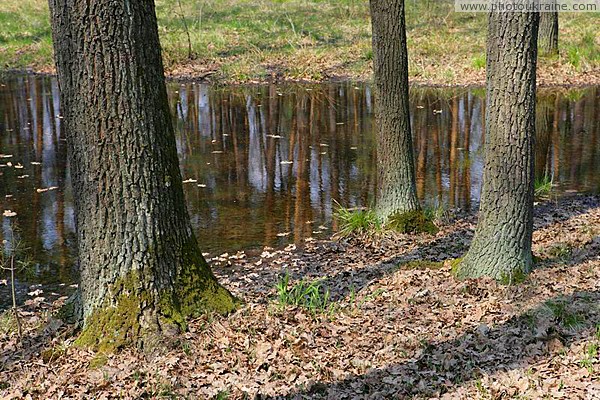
412,222
478,61
585,52
310,295
438,214
559,252
8,323
356,222
563,314
224,395
542,187
591,357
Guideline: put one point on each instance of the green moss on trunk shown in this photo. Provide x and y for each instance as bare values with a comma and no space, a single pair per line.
116,323
134,314
455,267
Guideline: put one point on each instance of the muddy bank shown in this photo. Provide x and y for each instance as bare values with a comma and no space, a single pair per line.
546,77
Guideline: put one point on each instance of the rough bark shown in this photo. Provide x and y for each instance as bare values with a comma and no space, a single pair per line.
142,272
396,187
548,33
501,247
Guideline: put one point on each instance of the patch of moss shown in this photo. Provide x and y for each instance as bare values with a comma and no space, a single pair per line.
422,264
196,290
513,278
116,323
71,311
411,222
455,267
53,354
7,322
98,361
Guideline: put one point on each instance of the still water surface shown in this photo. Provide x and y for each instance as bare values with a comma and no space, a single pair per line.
267,165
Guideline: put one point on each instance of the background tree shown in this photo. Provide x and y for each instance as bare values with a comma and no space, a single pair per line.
142,272
548,33
544,122
396,188
501,247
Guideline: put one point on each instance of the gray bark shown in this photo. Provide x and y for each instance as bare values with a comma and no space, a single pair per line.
501,247
396,190
548,33
137,252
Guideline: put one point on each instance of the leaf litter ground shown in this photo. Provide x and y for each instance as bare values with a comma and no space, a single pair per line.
399,326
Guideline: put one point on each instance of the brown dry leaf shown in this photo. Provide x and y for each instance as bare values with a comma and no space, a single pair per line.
393,332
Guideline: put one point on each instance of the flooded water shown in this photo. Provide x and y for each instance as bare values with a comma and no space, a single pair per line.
267,165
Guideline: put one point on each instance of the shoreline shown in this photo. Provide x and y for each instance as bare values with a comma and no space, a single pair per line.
591,78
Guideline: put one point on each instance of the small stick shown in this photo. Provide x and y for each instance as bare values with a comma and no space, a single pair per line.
14,296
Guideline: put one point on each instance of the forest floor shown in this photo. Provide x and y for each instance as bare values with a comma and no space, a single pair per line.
250,41
396,324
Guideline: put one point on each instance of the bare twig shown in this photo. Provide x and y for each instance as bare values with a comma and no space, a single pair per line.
7,262
187,30
14,296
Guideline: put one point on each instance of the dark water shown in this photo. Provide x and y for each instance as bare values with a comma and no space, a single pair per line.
270,163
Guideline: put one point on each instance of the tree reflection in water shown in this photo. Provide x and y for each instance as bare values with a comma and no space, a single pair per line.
269,163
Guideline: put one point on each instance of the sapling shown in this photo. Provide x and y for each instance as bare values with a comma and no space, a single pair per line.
7,263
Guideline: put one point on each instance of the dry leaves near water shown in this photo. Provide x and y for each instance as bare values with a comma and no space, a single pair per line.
394,331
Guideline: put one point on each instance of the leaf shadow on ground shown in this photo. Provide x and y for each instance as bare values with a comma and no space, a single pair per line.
444,365
344,282
30,345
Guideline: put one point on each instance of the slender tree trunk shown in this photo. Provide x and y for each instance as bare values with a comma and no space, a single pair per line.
467,152
395,164
501,247
548,33
142,272
453,159
543,128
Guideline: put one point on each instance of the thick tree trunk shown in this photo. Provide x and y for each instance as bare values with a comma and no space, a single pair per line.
548,33
396,191
141,269
501,247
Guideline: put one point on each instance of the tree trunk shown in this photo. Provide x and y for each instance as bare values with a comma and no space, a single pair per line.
142,272
548,34
543,133
396,191
501,247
